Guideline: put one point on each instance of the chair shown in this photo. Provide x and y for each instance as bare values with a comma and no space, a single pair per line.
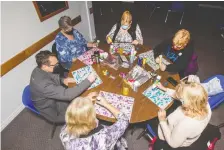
176,7
192,67
154,5
27,102
216,100
221,28
207,140
104,7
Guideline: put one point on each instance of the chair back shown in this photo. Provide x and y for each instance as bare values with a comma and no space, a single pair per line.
177,6
54,50
27,101
192,67
217,99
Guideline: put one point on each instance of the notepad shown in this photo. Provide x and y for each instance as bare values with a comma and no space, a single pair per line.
122,103
158,97
82,73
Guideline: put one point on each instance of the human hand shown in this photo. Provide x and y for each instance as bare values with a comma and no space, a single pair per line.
162,115
160,86
193,78
68,80
157,60
109,41
92,96
102,101
92,77
162,67
135,42
94,44
74,59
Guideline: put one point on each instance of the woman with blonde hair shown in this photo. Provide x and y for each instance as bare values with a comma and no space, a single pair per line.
178,50
184,126
126,31
83,131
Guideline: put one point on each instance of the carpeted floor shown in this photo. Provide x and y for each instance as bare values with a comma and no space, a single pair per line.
29,132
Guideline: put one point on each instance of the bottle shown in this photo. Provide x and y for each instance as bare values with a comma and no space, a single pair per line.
125,87
111,49
158,78
135,86
143,62
109,40
97,43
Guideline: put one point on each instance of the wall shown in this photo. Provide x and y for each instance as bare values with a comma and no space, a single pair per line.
21,28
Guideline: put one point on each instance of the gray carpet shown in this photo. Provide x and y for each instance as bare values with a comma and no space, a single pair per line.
28,132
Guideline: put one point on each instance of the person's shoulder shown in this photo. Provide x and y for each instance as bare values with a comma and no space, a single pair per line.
40,77
75,31
59,37
167,41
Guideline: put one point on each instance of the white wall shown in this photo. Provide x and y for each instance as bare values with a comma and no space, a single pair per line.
21,28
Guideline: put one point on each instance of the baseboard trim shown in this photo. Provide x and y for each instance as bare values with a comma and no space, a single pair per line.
11,117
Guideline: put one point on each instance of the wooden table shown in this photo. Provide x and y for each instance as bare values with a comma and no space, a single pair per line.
143,108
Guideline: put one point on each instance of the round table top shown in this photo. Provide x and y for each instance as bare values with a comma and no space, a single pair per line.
143,108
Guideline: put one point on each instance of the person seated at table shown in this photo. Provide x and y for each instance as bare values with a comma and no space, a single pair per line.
70,43
83,131
125,31
178,50
184,126
48,94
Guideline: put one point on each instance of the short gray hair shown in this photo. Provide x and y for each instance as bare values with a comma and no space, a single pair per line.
65,23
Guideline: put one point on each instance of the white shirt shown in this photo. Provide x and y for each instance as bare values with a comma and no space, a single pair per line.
180,130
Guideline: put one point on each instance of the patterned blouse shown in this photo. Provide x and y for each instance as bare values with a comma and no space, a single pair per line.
69,49
105,139
126,37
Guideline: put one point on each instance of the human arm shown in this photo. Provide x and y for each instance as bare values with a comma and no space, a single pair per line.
177,135
168,91
80,37
90,44
114,132
111,33
161,47
139,38
103,102
59,92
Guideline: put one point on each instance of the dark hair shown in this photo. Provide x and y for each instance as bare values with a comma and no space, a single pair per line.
65,23
42,58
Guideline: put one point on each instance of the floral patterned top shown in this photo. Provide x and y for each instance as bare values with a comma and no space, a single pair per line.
126,37
105,139
69,49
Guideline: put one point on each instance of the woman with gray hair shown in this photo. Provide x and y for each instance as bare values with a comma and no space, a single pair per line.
70,44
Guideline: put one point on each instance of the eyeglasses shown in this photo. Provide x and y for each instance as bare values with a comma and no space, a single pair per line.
54,65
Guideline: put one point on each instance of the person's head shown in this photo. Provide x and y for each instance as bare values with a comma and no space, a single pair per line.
65,24
181,39
126,20
80,117
46,60
194,99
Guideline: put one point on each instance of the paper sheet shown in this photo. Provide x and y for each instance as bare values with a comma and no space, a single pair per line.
82,73
122,103
158,97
